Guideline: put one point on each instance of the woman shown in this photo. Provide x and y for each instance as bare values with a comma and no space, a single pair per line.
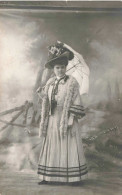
61,156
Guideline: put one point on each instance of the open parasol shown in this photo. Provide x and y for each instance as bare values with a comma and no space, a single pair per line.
78,68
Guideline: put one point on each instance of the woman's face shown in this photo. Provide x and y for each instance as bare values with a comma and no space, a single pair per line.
59,70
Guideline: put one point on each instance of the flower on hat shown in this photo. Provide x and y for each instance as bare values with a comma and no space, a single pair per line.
58,52
55,50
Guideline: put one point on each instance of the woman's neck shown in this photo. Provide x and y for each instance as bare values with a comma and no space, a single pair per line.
60,77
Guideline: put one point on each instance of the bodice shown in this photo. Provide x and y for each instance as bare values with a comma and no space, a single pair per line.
62,90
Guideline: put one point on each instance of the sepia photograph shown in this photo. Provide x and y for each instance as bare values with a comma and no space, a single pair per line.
60,98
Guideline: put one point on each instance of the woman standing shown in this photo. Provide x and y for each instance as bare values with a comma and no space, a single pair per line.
61,156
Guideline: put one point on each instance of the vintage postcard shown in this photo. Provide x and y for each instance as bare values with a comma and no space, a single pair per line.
60,98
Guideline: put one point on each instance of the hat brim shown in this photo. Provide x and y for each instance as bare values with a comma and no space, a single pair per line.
51,63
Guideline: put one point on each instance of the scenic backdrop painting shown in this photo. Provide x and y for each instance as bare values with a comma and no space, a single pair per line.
24,38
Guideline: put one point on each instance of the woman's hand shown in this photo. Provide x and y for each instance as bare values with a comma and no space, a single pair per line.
40,93
38,90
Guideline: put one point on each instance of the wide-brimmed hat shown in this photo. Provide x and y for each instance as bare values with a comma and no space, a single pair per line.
60,60
58,55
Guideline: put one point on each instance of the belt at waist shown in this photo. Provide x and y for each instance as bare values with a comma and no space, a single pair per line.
54,108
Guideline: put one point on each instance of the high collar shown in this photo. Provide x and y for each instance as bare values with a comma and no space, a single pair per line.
58,78
63,80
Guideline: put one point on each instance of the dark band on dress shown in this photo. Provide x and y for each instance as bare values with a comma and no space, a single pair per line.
58,172
77,110
62,172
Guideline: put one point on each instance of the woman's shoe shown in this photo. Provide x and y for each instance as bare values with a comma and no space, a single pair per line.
42,182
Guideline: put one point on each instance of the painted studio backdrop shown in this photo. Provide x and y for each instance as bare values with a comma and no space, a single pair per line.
24,38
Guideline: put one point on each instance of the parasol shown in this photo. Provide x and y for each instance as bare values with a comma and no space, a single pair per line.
78,68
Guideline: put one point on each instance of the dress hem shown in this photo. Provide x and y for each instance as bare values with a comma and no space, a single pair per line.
41,178
63,179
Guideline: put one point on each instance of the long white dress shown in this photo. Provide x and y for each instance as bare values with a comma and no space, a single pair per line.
62,158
